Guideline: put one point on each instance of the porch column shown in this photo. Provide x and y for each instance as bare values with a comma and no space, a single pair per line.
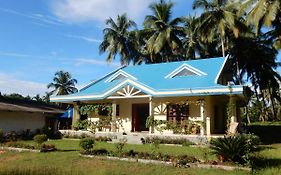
208,126
202,117
113,124
76,114
151,113
232,103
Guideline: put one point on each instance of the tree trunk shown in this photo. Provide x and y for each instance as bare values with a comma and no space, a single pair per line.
222,47
238,72
272,103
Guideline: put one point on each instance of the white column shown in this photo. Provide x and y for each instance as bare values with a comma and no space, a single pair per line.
151,113
202,117
232,101
113,124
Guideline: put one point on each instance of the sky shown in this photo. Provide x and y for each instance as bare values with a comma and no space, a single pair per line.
40,37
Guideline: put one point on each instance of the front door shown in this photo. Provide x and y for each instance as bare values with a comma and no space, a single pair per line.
140,113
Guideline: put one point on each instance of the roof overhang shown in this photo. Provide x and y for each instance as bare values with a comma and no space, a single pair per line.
149,92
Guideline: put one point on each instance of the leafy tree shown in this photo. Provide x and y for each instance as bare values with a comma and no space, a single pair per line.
162,33
265,12
63,84
116,40
218,18
37,98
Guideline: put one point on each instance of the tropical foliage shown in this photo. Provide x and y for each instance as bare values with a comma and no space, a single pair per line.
63,84
248,31
237,148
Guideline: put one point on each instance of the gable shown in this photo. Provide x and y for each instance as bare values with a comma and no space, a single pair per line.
127,91
185,70
120,75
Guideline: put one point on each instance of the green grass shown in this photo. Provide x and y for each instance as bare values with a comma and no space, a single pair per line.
68,161
73,145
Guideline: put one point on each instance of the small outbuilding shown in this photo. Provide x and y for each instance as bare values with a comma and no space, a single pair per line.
22,115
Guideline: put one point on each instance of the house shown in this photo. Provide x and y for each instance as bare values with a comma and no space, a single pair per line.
22,115
196,90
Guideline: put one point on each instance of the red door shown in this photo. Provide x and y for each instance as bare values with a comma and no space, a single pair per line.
140,112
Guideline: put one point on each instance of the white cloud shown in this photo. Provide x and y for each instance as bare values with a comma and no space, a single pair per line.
9,84
40,19
85,38
81,61
99,10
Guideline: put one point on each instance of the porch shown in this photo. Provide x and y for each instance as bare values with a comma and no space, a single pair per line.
208,114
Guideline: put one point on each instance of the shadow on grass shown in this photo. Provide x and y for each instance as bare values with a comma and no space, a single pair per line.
261,162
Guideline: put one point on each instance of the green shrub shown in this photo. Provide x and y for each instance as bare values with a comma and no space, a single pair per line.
47,148
2,138
237,148
11,136
87,144
19,145
40,138
167,140
120,145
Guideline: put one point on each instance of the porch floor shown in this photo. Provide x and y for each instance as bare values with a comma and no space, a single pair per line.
135,137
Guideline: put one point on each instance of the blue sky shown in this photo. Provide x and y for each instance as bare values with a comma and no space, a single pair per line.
40,37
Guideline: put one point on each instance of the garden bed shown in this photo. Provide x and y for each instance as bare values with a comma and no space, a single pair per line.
170,163
17,146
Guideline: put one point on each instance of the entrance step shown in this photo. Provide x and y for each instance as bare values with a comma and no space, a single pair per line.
132,138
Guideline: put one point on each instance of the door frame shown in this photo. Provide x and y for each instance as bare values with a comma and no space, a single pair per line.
135,125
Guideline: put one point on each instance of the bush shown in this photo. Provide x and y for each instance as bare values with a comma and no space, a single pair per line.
87,144
19,145
268,132
120,145
237,148
11,136
2,138
167,140
41,138
47,148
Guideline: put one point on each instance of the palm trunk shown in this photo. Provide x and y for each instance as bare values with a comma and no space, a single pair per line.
222,47
238,72
272,102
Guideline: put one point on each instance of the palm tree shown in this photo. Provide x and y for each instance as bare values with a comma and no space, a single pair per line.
37,98
63,84
191,42
161,33
219,18
116,39
265,12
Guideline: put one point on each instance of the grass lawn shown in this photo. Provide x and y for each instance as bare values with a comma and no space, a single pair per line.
67,161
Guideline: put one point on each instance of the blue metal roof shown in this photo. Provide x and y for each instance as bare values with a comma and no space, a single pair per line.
152,79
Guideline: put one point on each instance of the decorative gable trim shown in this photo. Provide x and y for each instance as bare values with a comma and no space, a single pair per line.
120,73
185,67
221,69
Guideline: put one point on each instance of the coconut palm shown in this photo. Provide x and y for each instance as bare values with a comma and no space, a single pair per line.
265,12
116,39
218,18
191,42
37,98
63,84
162,33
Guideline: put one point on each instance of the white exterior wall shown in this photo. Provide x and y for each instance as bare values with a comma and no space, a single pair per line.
19,121
125,112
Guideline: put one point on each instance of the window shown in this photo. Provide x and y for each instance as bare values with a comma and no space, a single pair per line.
177,112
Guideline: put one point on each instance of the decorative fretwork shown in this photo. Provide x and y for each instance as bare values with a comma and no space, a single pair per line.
161,109
128,91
